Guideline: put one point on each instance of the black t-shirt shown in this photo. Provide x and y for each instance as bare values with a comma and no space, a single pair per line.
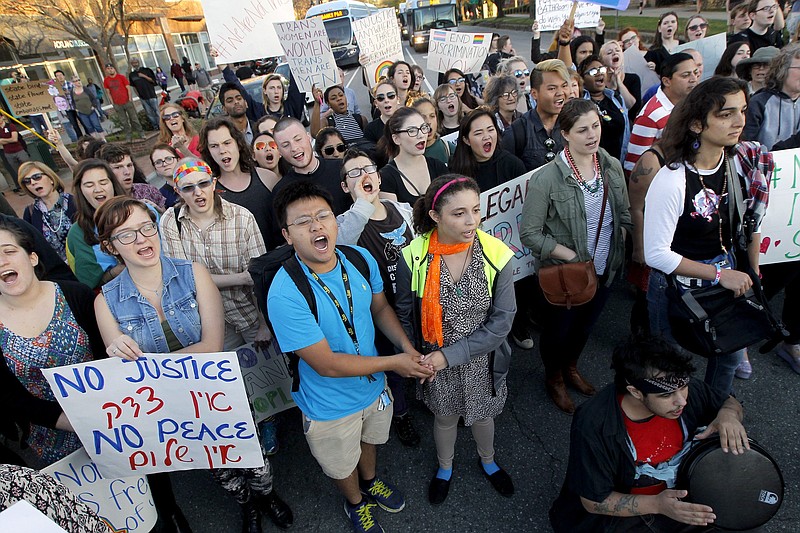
502,167
393,181
770,38
374,130
144,88
613,127
448,131
633,83
257,199
327,176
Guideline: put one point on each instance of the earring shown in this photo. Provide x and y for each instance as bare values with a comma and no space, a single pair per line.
696,142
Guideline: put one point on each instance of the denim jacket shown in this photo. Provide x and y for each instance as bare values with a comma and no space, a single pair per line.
138,319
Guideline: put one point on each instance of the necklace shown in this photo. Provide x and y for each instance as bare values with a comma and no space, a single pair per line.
598,183
458,290
157,292
715,203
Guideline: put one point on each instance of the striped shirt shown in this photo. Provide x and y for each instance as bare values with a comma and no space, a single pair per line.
648,127
348,126
224,247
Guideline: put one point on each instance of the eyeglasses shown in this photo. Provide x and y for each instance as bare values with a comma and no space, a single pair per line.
510,95
188,189
413,131
550,144
695,27
596,70
445,99
164,162
521,73
33,177
387,96
328,150
356,172
455,81
170,116
629,40
129,237
260,145
304,222
769,9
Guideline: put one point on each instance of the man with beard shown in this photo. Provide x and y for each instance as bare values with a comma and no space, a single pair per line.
144,81
234,101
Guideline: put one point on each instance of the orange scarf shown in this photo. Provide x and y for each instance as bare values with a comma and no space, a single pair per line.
431,299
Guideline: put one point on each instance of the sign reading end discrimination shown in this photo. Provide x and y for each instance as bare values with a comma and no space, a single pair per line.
160,413
451,49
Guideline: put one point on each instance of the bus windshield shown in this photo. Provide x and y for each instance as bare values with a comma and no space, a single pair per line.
435,17
340,33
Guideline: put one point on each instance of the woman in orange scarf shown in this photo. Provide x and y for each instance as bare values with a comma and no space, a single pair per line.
455,299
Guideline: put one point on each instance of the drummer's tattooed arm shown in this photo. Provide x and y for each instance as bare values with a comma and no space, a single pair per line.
668,503
616,504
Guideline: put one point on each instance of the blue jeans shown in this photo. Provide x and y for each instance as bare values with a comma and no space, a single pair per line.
151,108
91,122
719,369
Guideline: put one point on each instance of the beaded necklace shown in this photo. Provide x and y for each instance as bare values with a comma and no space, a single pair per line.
598,183
716,204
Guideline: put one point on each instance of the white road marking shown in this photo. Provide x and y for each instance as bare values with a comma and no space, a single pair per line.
355,71
411,57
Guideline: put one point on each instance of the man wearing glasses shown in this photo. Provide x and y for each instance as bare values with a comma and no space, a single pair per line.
767,26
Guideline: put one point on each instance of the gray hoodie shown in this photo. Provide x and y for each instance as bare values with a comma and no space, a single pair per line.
771,117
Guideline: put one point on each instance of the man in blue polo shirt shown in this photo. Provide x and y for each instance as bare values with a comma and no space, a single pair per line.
346,404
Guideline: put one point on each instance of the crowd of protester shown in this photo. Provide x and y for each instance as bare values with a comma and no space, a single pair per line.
381,206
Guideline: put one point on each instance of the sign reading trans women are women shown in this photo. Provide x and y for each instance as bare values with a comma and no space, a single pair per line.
160,413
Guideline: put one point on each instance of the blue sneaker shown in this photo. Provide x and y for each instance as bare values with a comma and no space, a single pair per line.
385,495
269,435
361,517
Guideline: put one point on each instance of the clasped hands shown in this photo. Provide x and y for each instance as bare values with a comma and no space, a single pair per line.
413,364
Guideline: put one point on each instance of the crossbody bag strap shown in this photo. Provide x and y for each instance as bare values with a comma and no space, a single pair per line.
404,177
735,207
602,214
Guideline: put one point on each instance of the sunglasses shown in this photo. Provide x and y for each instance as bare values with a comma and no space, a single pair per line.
261,145
33,177
387,96
596,70
455,81
328,150
188,189
521,73
550,144
701,26
170,116
164,162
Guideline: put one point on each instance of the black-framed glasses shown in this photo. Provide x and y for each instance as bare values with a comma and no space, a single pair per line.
521,73
413,131
164,162
509,95
550,144
456,81
769,9
305,221
596,70
387,96
129,236
701,26
170,116
328,150
445,99
33,177
356,172
629,40
202,184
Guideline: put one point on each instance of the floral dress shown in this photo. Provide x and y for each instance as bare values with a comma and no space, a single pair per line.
56,223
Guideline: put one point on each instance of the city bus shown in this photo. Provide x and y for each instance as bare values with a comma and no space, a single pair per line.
423,15
337,17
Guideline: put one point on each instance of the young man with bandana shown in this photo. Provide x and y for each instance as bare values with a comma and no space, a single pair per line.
626,444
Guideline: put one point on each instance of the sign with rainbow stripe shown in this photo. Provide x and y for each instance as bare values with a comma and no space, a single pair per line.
378,38
464,51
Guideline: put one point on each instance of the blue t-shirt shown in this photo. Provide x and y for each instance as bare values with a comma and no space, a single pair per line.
319,397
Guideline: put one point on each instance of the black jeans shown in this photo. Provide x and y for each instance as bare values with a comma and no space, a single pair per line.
778,276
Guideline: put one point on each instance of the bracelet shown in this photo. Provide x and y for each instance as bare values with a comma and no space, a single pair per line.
718,275
563,43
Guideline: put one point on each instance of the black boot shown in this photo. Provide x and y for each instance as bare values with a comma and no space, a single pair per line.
251,519
276,509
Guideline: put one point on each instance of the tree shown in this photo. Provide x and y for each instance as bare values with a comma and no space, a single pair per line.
499,5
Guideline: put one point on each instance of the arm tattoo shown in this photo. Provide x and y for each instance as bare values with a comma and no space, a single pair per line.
626,505
640,172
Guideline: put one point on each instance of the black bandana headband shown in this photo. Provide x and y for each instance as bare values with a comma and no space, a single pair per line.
660,385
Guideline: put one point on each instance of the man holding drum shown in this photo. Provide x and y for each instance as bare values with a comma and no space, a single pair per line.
628,441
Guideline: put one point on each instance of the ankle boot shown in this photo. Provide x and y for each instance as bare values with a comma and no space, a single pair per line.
558,393
251,518
573,377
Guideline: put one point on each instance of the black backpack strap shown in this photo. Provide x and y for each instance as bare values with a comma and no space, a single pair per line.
176,209
298,276
358,260
520,134
331,121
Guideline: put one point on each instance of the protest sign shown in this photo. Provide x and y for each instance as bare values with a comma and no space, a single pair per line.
160,413
378,38
28,98
22,516
711,48
125,503
451,49
551,14
266,379
780,232
308,52
501,208
635,64
243,30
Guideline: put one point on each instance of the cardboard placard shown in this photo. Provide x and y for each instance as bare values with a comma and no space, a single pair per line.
28,98
551,14
780,231
160,413
635,64
266,379
308,52
451,49
379,41
711,48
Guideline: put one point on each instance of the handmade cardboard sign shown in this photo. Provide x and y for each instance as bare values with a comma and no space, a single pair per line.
379,41
451,49
308,52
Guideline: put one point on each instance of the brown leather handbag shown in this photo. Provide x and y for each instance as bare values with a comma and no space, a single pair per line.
571,284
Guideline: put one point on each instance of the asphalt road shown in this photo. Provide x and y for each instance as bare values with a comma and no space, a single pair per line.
532,440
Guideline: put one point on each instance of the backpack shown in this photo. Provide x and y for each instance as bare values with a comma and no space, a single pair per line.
520,136
263,270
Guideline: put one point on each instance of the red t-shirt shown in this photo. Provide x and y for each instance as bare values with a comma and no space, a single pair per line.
118,87
5,133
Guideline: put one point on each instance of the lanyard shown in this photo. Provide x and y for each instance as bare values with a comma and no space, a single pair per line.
348,325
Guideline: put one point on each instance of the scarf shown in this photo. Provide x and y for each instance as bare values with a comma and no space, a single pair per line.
431,299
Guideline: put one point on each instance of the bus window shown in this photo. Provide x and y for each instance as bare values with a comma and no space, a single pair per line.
339,31
435,17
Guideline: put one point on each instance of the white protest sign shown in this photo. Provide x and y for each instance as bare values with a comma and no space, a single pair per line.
160,413
551,14
379,41
501,208
308,52
635,64
266,379
451,49
243,30
124,503
22,516
711,48
780,232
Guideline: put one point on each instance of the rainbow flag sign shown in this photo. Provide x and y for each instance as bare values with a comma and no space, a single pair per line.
440,36
464,51
478,39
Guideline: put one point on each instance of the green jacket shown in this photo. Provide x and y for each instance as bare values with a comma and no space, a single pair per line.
554,213
490,337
